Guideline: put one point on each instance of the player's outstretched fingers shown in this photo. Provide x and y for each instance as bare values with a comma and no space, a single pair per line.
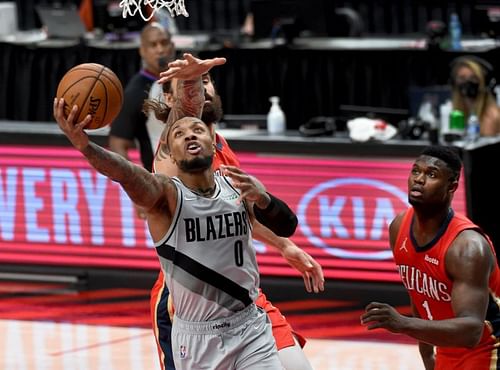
307,282
177,63
190,68
189,57
313,276
216,61
250,187
318,279
58,109
168,74
65,123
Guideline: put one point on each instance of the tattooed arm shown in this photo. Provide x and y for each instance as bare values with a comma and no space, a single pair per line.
188,95
145,189
188,92
188,99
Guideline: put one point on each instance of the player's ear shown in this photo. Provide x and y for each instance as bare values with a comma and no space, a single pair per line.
453,186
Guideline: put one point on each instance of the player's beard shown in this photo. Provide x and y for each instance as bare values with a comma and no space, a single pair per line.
212,110
195,165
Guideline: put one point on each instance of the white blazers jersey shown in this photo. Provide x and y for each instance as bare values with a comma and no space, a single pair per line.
207,254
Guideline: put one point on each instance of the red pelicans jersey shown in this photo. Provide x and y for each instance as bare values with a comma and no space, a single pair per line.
423,273
224,154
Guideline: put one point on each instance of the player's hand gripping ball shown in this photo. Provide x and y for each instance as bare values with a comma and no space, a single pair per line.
95,89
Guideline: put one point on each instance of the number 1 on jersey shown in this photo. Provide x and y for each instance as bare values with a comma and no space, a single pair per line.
425,305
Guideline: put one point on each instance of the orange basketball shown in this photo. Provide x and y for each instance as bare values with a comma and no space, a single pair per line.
95,89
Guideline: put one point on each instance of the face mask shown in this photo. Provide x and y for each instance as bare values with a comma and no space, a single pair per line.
468,89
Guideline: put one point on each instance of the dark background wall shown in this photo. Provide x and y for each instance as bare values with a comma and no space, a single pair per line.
381,17
310,82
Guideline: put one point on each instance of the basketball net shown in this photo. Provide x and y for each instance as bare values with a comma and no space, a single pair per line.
132,7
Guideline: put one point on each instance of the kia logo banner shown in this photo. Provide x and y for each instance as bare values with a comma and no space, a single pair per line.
350,209
344,207
56,210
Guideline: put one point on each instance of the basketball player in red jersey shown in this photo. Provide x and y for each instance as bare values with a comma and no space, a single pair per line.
448,266
181,99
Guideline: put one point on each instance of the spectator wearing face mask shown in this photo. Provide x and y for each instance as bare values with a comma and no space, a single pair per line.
472,83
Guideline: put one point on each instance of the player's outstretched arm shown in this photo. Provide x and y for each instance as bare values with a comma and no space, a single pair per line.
188,91
311,271
189,68
143,188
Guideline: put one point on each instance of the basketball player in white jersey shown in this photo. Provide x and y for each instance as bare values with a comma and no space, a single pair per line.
201,225
184,97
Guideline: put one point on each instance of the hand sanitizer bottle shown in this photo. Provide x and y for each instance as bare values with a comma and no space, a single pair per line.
275,117
444,115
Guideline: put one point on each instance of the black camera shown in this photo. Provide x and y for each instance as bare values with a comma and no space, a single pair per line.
418,129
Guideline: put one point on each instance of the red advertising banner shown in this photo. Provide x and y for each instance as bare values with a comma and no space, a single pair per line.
56,210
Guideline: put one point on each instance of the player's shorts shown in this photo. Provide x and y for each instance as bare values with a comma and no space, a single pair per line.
484,356
242,341
282,331
162,326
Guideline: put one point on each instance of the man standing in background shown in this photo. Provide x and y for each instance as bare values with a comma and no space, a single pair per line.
132,127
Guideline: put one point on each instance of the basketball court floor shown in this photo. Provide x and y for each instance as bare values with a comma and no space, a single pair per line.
51,327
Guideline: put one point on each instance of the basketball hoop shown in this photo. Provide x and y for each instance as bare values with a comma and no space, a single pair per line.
132,7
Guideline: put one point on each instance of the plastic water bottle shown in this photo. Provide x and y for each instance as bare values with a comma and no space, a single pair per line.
455,32
472,133
275,117
497,94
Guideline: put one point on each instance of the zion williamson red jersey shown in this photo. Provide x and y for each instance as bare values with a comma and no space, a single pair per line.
282,331
423,272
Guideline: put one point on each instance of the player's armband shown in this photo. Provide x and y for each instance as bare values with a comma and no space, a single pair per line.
277,217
